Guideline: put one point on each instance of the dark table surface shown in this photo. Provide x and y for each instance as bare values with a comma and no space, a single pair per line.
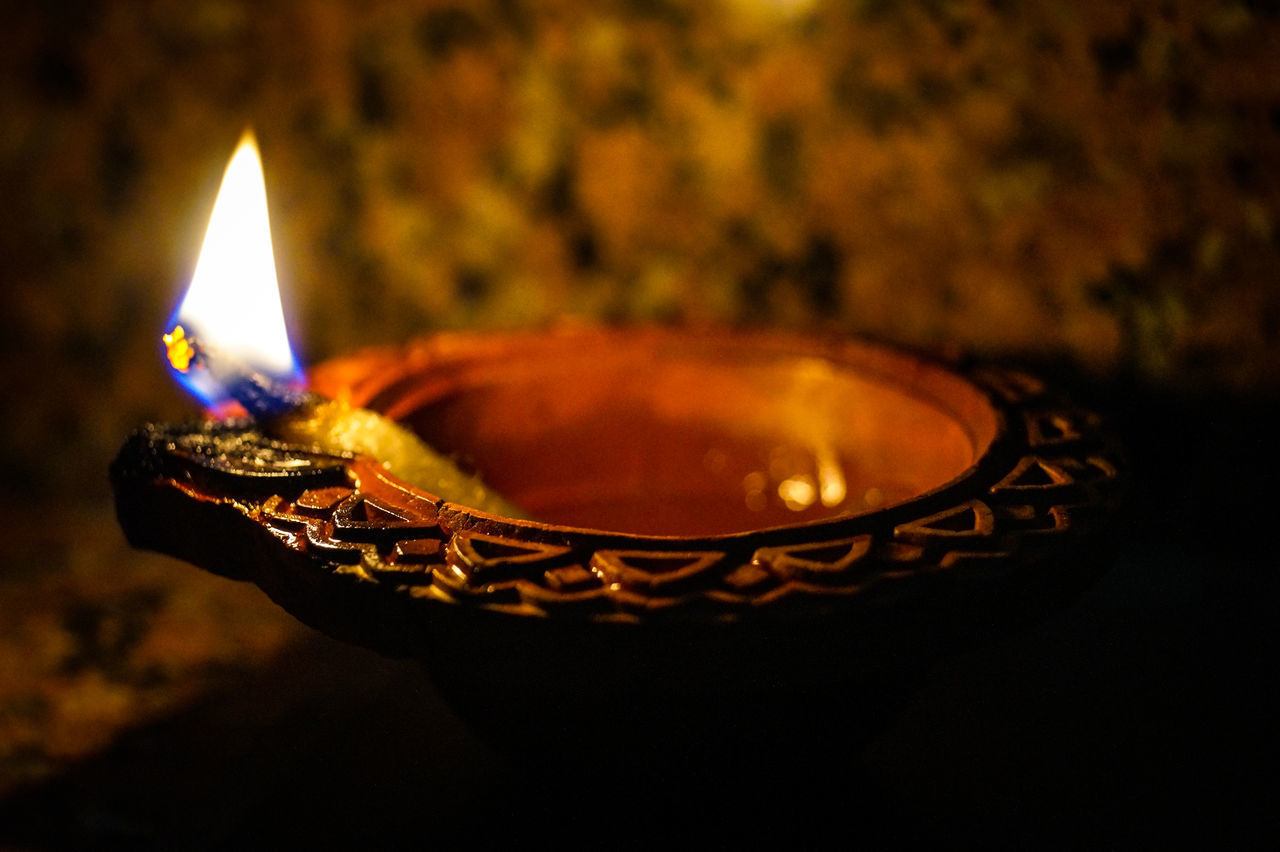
1143,712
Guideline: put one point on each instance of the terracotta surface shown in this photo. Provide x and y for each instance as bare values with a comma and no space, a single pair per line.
565,644
147,706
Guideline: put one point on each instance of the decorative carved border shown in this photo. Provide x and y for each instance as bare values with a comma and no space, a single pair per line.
1049,477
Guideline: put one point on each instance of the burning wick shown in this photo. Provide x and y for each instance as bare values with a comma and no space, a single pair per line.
241,351
180,350
300,416
263,397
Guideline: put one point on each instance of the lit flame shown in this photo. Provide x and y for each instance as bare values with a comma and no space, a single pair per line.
232,309
180,350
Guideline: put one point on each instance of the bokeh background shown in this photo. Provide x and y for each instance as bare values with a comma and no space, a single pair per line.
1088,185
1096,180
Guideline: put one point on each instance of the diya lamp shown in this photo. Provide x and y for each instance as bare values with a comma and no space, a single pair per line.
740,546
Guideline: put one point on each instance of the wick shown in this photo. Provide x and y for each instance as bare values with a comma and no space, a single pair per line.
300,416
260,395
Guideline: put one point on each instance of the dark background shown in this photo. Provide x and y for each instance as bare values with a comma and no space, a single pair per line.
1086,188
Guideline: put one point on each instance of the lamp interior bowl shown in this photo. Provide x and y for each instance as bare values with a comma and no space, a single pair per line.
652,433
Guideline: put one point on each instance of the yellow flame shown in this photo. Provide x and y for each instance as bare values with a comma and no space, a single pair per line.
179,350
233,303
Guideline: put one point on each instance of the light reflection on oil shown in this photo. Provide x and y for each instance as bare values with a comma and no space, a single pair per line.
800,477
831,484
797,492
753,485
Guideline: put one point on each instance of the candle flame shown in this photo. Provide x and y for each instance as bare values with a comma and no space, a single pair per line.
232,306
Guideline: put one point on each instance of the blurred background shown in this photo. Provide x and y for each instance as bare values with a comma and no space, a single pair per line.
1088,187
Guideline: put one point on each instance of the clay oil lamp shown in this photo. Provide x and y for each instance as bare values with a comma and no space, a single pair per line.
731,545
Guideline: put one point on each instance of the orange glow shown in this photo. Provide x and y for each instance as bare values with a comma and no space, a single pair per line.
179,349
